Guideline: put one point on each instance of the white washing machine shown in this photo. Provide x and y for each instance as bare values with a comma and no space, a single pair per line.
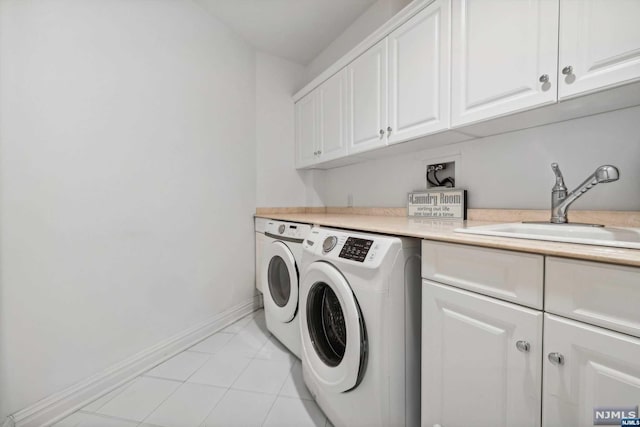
280,269
360,327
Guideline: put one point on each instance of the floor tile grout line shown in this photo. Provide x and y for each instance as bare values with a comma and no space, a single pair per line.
174,392
264,420
160,404
228,388
199,352
161,378
197,370
290,375
243,371
214,407
123,387
111,417
210,356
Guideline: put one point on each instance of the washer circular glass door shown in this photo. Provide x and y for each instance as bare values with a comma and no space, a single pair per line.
334,344
280,275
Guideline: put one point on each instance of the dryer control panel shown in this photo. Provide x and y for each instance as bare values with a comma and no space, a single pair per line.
351,247
356,249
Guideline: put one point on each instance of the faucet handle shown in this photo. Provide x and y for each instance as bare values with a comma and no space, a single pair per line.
559,186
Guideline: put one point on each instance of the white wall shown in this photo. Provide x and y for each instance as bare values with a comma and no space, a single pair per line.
278,183
367,23
125,216
510,170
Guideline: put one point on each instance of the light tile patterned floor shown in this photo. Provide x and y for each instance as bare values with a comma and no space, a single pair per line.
241,376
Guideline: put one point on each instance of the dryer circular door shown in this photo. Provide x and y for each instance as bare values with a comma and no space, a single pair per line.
334,339
280,278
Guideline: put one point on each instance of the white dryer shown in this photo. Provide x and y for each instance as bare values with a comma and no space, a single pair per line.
360,327
282,251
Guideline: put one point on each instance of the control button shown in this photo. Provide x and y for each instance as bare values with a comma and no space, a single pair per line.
329,243
309,242
281,228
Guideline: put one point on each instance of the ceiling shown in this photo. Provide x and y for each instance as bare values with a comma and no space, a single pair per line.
297,30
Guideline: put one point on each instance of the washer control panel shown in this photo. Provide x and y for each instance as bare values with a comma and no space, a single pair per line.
356,249
287,230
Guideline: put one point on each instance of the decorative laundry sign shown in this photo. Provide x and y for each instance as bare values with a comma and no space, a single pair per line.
440,204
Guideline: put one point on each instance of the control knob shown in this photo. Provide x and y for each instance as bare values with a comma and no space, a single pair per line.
329,243
281,228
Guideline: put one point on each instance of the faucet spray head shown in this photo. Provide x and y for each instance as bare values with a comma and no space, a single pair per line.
607,173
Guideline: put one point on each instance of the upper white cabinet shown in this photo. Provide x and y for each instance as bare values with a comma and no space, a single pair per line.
331,109
468,68
587,367
481,360
599,44
306,130
320,123
395,91
419,61
367,99
504,57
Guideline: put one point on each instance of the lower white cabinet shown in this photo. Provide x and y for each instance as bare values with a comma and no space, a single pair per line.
481,360
486,362
587,367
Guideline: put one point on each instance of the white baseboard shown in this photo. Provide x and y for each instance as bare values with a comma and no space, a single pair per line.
57,406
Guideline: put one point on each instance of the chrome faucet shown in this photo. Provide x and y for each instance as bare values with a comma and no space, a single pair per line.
561,200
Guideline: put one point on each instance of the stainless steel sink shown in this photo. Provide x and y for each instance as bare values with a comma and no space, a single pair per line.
603,236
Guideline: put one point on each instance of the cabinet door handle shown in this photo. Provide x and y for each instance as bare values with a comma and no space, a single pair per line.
389,129
319,152
381,132
567,70
556,358
544,78
523,346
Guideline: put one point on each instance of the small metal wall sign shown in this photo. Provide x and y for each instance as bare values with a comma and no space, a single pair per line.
443,203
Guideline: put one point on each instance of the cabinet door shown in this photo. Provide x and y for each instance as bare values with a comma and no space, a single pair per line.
600,369
501,49
367,99
332,105
473,374
306,130
419,65
600,40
